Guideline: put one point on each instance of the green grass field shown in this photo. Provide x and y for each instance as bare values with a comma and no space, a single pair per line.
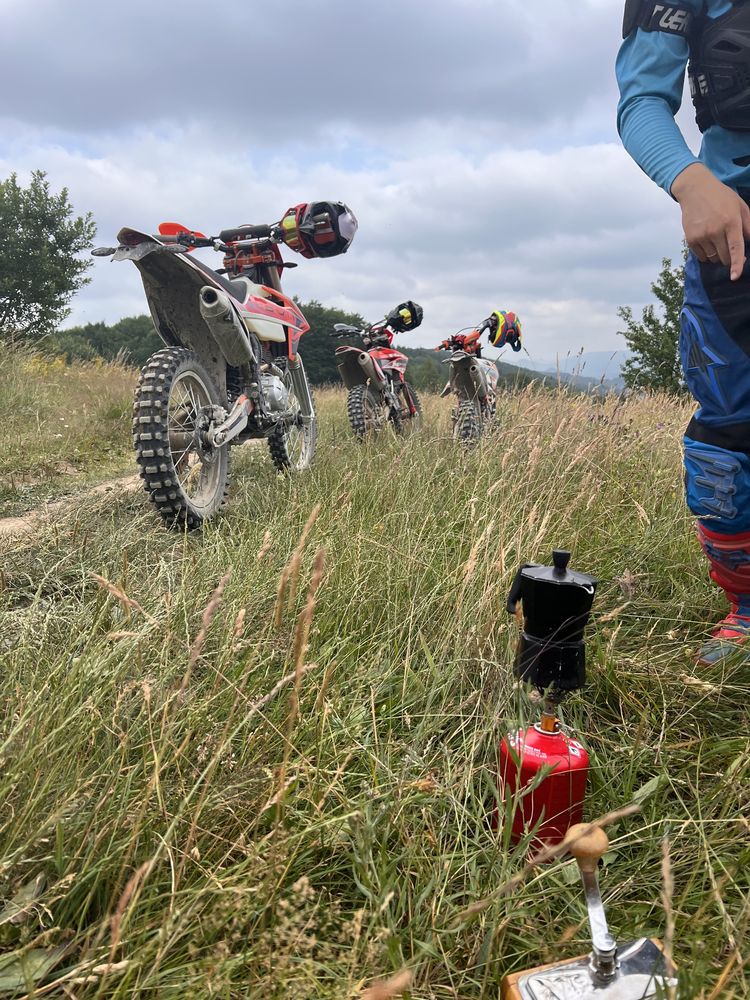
209,826
63,427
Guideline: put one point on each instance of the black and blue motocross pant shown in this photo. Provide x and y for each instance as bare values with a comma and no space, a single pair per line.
715,354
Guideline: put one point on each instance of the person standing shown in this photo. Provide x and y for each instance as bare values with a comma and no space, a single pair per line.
711,40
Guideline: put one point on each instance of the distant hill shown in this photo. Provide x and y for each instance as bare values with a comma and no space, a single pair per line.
134,339
427,371
590,366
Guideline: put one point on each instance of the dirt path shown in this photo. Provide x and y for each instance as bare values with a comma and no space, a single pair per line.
25,524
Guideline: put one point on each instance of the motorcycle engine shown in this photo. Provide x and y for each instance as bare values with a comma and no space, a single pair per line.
275,392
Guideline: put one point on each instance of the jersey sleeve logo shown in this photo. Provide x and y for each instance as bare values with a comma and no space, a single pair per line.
673,19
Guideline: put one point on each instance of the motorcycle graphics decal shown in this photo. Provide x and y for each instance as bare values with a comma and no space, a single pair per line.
286,314
490,370
390,359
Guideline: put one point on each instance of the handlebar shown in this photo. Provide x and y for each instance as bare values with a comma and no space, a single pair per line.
372,336
448,343
246,232
186,240
345,331
239,237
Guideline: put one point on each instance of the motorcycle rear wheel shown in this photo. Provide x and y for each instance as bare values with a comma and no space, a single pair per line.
467,426
187,481
292,446
366,412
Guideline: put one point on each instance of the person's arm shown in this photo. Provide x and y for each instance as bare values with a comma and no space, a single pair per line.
650,73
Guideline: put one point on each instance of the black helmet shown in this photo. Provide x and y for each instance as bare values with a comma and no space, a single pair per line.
406,316
319,228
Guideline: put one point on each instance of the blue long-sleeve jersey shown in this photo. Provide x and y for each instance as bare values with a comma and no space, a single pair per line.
651,74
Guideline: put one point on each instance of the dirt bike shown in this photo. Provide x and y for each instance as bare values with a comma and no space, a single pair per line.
473,381
230,370
378,393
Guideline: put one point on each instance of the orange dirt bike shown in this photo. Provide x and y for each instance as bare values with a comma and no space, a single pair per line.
473,381
230,370
378,393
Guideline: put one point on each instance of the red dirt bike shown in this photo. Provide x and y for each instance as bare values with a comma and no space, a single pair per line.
230,370
378,393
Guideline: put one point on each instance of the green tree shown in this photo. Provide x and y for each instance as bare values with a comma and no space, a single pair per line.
40,263
133,338
655,338
317,348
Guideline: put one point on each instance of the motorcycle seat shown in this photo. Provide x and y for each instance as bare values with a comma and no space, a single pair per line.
236,287
243,287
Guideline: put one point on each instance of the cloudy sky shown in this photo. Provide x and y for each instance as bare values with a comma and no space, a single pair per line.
474,139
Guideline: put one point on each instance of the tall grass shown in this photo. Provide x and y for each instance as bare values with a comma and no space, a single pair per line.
236,788
62,425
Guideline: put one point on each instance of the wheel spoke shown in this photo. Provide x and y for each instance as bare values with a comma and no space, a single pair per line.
186,478
292,444
187,399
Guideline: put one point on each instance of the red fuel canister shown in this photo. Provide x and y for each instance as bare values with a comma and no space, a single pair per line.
556,803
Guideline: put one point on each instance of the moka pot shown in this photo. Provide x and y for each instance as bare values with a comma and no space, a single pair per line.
556,604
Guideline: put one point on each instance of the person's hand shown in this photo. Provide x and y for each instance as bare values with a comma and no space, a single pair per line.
715,219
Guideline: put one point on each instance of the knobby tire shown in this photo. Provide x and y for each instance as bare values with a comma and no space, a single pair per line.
164,466
468,429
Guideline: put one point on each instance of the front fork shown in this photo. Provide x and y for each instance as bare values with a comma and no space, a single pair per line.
391,395
301,390
394,404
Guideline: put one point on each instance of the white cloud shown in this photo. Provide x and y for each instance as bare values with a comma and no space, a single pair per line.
296,67
474,140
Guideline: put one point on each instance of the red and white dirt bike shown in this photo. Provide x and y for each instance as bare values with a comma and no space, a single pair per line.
230,370
378,393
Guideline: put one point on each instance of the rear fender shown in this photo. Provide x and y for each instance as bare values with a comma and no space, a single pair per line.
467,377
172,285
134,245
358,368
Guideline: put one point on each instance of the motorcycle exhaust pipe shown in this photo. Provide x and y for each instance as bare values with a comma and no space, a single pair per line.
368,368
479,382
225,325
467,378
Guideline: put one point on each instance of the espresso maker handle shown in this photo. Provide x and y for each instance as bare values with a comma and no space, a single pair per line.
514,594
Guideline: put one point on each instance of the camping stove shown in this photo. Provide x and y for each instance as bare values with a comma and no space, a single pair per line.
635,971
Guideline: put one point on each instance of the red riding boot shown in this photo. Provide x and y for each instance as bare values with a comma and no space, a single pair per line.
729,557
